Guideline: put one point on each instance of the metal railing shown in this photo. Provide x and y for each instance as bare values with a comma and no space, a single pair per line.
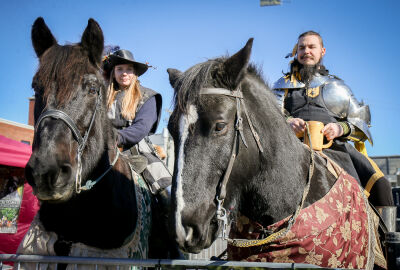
156,263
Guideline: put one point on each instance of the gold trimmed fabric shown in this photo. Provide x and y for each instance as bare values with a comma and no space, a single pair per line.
338,231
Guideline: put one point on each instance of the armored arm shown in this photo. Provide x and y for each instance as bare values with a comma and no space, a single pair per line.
339,100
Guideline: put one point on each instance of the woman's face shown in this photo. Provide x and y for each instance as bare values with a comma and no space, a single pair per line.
124,75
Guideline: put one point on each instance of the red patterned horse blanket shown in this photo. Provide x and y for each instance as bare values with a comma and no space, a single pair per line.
338,231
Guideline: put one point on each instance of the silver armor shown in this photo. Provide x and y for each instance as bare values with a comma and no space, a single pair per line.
286,82
338,99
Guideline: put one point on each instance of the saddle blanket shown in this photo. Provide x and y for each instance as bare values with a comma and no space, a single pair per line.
338,231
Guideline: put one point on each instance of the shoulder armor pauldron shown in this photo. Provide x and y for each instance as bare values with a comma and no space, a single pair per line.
339,100
289,82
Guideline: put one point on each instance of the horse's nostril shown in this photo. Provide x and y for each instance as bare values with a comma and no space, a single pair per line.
193,233
189,234
58,176
65,172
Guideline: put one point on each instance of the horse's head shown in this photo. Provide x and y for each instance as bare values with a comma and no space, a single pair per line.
204,128
69,89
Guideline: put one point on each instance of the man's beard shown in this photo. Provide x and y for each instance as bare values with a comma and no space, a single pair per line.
307,72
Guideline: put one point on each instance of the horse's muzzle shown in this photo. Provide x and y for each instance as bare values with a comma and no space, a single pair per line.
195,238
50,180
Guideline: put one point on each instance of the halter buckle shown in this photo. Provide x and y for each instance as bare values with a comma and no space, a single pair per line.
221,216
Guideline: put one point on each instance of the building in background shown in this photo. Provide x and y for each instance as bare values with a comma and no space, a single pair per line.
17,131
390,166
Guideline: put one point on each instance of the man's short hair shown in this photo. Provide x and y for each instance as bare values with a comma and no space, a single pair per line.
312,33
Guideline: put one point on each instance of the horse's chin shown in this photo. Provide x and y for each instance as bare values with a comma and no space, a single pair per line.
196,245
53,196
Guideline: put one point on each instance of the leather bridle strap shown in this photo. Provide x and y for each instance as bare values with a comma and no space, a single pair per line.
58,114
237,94
221,190
221,91
221,193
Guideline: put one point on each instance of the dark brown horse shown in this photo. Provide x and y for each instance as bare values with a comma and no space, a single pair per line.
93,203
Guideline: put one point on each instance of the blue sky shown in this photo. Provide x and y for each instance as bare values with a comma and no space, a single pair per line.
361,38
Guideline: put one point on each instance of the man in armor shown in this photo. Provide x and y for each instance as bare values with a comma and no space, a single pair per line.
308,92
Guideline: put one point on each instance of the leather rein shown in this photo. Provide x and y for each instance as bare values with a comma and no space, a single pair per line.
221,190
82,141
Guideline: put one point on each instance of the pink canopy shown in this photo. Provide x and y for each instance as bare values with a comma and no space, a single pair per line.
16,154
13,153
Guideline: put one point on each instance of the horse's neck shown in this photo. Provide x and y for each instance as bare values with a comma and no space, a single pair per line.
276,190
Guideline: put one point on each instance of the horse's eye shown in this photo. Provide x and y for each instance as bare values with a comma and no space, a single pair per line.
219,126
92,90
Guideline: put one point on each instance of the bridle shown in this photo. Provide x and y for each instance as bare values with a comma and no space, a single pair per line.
82,141
221,190
220,196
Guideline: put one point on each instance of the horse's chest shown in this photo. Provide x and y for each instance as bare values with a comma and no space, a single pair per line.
136,245
39,241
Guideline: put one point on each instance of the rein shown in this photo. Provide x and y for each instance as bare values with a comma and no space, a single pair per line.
82,141
221,192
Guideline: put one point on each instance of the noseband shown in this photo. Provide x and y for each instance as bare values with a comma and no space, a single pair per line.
82,141
221,191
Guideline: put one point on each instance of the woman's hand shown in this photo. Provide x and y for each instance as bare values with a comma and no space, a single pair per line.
332,131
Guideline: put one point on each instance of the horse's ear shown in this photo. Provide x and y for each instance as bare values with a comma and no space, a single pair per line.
42,38
173,76
236,65
93,41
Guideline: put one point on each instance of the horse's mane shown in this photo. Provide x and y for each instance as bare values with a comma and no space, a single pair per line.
189,83
61,68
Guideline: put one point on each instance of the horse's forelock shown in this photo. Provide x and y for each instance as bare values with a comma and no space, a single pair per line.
189,84
63,67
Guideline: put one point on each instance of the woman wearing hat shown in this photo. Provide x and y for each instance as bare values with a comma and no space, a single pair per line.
133,109
135,112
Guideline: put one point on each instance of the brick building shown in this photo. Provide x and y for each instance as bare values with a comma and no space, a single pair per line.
17,131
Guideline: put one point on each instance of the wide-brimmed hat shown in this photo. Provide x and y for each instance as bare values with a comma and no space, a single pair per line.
122,57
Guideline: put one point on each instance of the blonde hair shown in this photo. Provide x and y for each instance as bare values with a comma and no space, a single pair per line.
131,98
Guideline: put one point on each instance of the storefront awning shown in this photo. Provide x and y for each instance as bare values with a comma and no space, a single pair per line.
14,153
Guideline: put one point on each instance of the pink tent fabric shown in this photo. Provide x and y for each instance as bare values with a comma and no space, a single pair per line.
16,154
13,153
29,206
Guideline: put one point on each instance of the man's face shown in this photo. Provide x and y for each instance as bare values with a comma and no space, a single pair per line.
309,50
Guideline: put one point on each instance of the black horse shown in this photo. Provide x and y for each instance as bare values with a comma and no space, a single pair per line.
109,215
234,151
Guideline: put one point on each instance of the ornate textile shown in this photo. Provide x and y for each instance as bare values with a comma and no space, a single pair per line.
338,231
